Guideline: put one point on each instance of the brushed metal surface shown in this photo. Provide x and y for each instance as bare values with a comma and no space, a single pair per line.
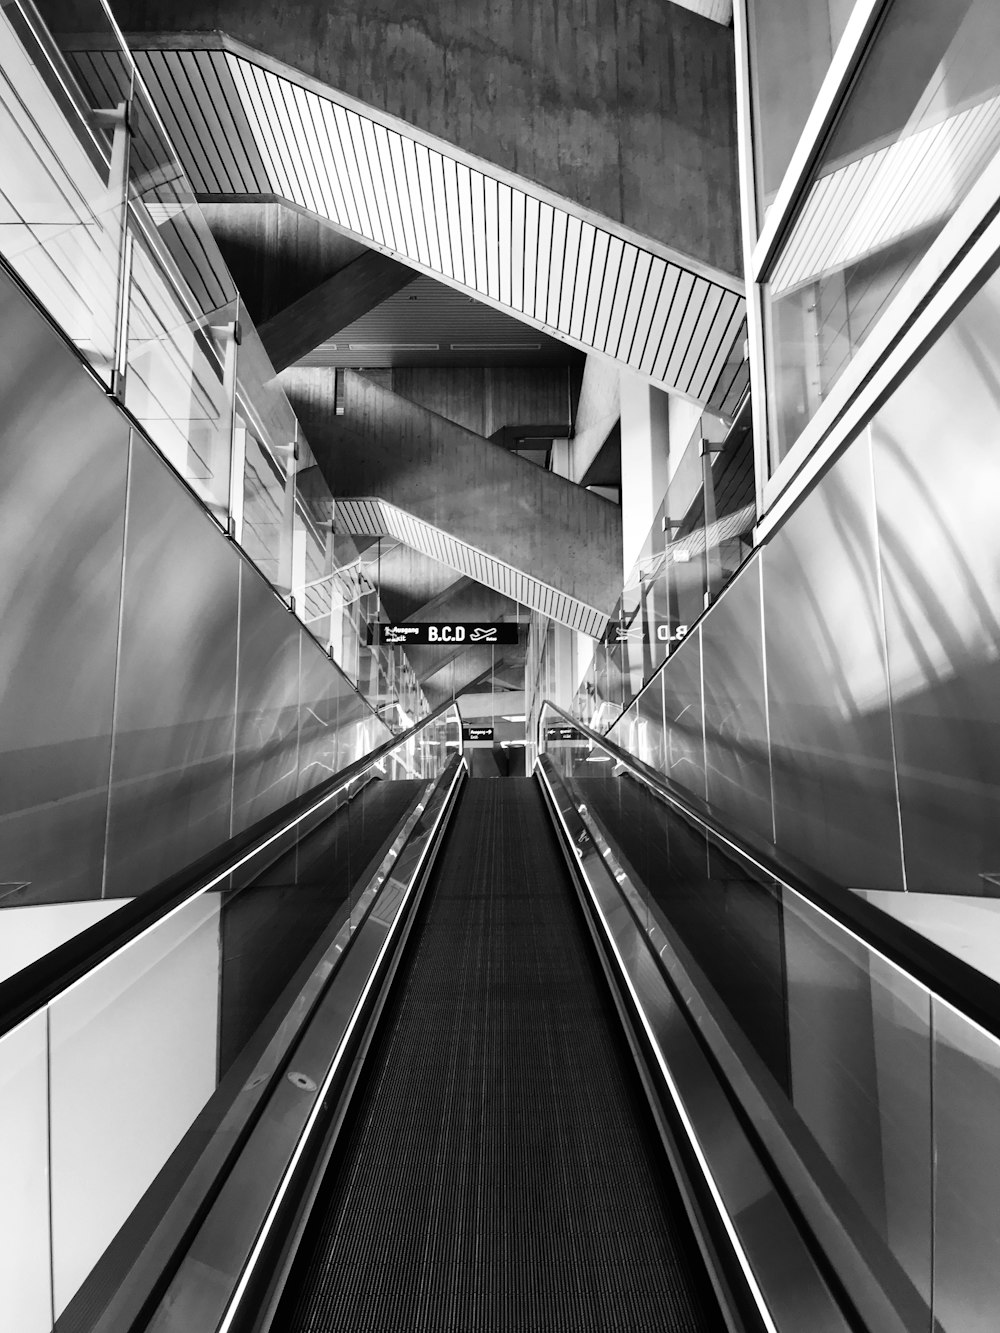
736,752
267,706
937,474
682,706
967,1174
831,744
320,691
788,1288
172,767
63,458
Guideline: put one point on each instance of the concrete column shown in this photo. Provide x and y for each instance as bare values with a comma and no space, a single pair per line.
563,655
645,431
562,459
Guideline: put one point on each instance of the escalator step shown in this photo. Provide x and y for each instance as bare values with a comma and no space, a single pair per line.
501,1170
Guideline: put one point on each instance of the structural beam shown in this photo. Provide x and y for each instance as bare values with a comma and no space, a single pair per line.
350,293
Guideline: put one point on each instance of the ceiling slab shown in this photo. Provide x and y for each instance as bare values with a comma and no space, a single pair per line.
332,305
248,125
375,517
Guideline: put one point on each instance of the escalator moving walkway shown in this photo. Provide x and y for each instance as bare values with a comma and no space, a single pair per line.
500,1169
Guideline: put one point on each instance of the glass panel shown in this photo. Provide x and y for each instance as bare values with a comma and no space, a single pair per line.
919,125
270,433
313,584
63,461
684,758
133,1061
25,1254
320,692
859,1078
966,1175
840,1038
62,197
179,376
172,765
267,706
791,47
831,743
265,478
937,477
737,760
141,1048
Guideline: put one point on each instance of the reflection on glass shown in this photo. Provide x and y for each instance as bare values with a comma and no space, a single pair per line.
828,697
966,1174
791,47
62,196
937,476
840,1038
700,537
919,125
737,760
179,378
118,1075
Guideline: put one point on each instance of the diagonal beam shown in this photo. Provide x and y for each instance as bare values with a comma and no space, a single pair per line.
350,293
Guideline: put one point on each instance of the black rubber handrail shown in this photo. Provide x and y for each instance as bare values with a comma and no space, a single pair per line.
29,990
944,974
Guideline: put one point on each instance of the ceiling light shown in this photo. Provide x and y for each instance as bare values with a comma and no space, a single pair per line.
514,717
394,347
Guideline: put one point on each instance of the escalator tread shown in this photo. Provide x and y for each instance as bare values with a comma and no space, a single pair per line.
501,1170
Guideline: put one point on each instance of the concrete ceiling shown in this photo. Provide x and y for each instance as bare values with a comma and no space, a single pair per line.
248,126
431,324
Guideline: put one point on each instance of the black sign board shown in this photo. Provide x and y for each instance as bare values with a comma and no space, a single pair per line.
444,633
477,733
560,733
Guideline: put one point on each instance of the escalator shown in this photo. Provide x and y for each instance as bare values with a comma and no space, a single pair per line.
500,1169
472,1054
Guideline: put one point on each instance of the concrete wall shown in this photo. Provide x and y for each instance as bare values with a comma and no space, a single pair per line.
625,106
386,446
277,254
484,399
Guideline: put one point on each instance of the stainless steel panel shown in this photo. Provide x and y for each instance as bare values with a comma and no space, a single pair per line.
172,766
63,458
831,748
966,1174
267,704
937,478
320,689
684,757
860,1079
651,737
737,761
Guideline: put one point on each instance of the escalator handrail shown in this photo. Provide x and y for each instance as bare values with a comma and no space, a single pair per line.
33,987
971,992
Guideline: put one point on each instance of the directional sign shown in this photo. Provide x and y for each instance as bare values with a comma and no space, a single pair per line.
561,733
621,631
477,733
444,633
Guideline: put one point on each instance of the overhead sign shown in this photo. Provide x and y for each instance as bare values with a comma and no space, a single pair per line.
444,633
621,631
563,733
477,733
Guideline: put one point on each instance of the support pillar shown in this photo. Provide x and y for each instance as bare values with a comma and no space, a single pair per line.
645,432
